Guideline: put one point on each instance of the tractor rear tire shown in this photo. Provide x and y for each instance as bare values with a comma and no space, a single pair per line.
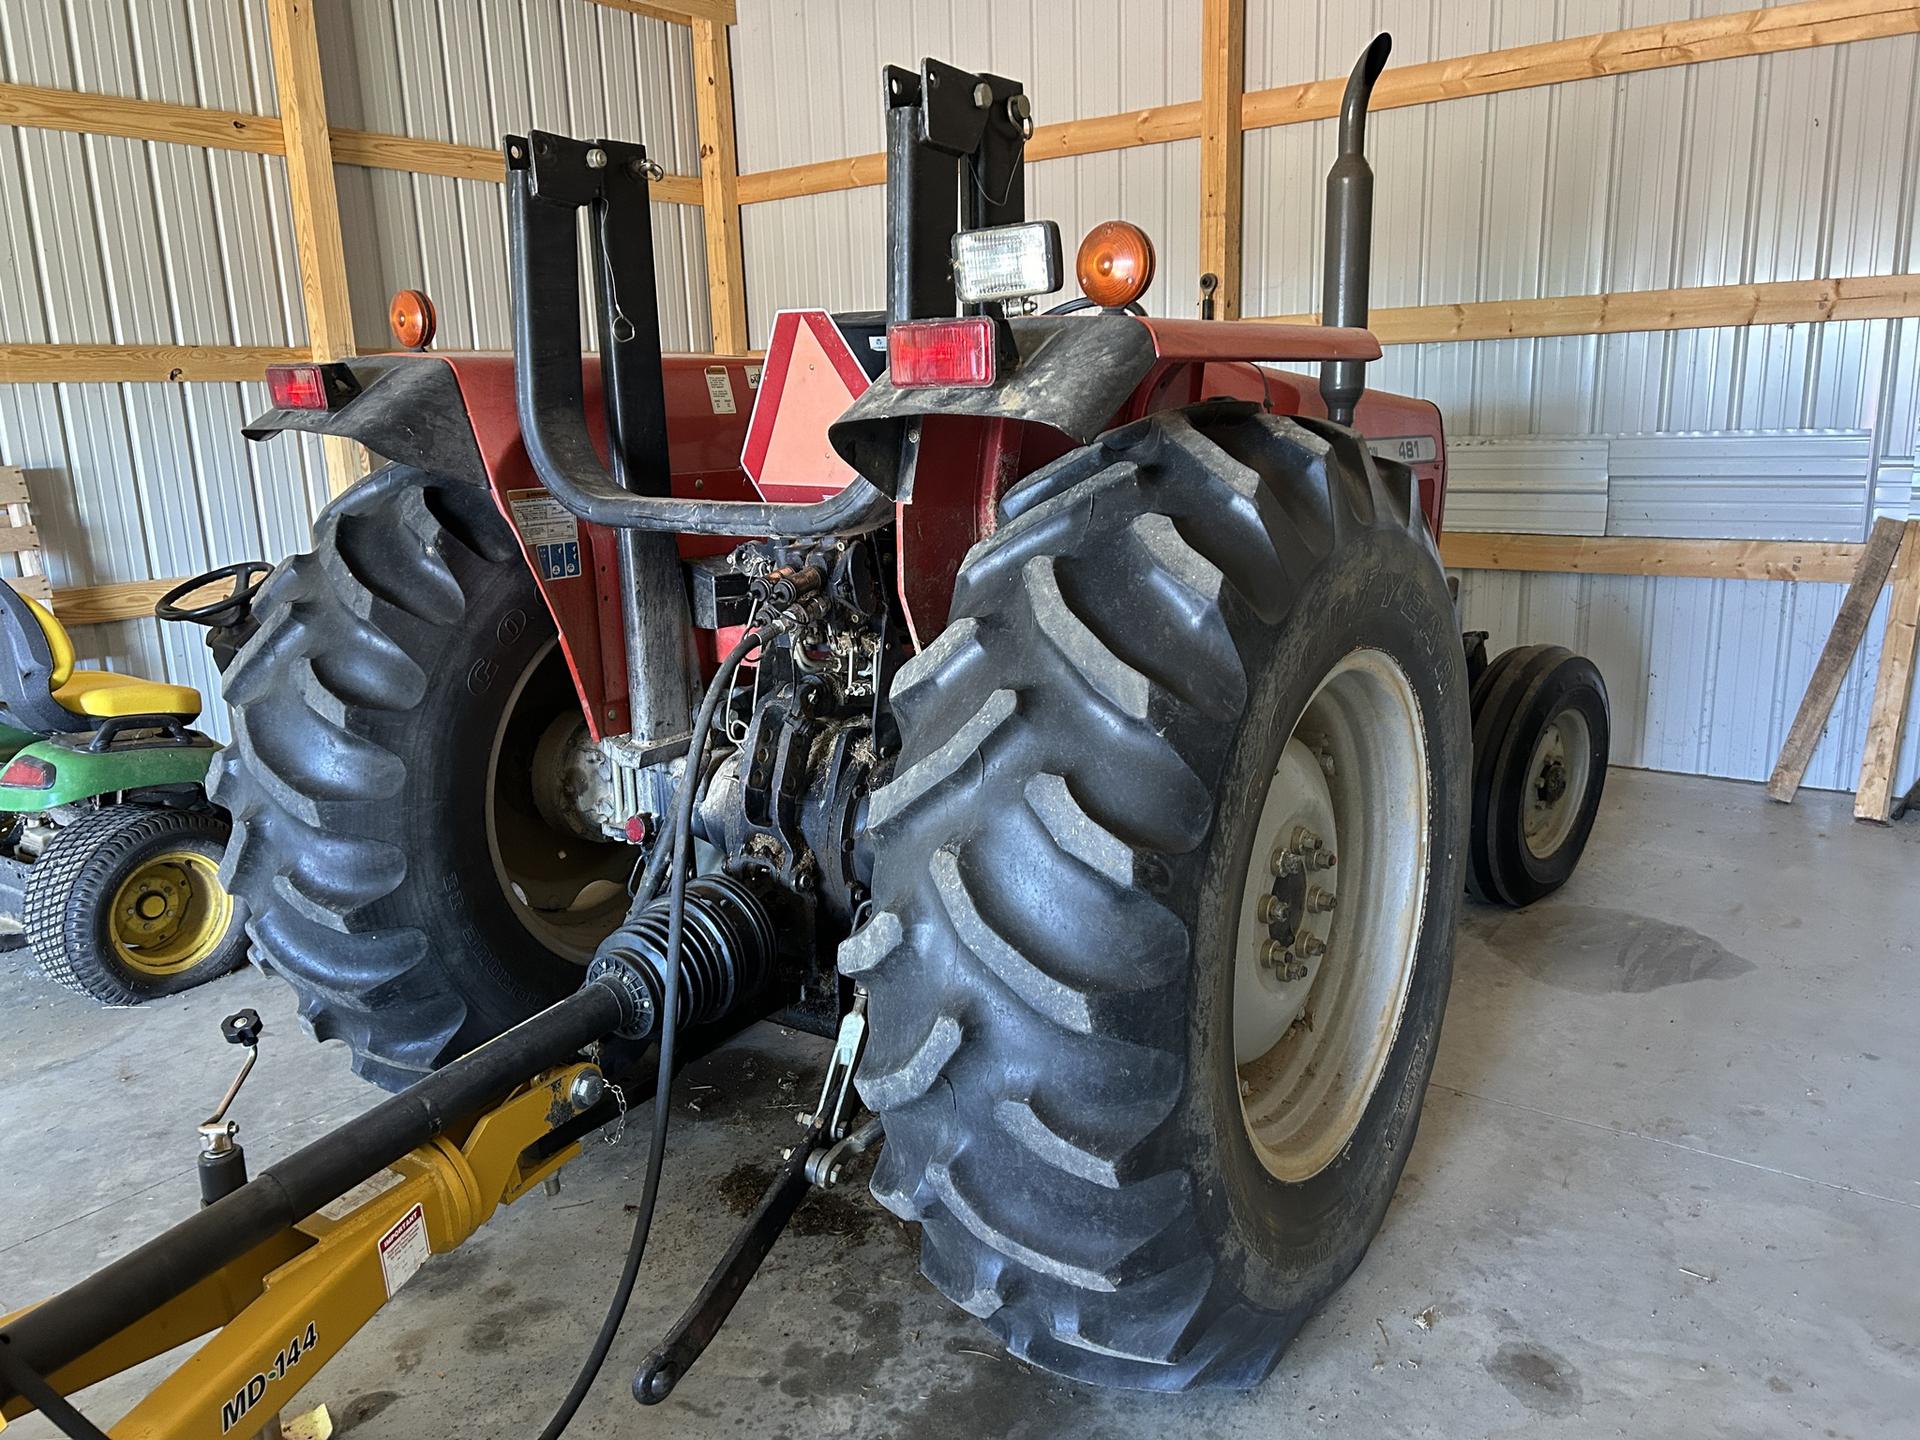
403,672
1067,856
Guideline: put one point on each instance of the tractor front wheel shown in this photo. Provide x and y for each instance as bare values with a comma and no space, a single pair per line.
1165,889
397,867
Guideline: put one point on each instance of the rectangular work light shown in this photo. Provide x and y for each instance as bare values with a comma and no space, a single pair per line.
1006,262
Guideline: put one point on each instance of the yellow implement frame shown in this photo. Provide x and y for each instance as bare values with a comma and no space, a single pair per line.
283,1310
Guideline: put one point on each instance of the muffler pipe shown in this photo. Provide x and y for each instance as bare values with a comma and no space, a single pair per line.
1348,264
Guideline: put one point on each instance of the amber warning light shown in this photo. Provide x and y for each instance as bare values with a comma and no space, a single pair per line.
1115,264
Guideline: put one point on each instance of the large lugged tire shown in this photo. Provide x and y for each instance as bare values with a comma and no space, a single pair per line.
403,673
1072,864
126,905
1541,736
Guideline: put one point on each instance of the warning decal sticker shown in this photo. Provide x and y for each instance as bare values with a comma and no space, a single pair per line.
549,530
720,389
404,1249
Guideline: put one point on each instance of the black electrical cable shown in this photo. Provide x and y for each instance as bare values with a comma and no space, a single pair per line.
669,1022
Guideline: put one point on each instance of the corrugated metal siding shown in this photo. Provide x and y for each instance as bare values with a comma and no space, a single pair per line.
1774,485
470,73
119,242
115,241
807,87
1520,485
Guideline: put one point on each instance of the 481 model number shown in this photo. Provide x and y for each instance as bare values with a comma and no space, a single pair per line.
233,1411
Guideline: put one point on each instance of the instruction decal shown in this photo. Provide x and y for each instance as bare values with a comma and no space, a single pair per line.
404,1249
550,532
720,389
753,377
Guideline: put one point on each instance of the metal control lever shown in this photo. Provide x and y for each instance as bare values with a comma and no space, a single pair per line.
223,1164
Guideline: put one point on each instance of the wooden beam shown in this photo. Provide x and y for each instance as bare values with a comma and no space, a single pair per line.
47,109
1223,78
1836,658
1893,687
679,12
316,207
1824,560
1766,31
111,364
1155,125
378,151
1701,307
100,604
719,185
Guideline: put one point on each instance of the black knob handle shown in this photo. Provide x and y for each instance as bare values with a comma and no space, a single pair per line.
243,1027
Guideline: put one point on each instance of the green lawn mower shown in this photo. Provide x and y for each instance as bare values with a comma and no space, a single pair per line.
109,848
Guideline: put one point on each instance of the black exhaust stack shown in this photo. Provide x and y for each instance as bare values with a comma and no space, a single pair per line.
1349,245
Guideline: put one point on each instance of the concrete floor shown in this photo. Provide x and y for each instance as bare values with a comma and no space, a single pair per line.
1666,1184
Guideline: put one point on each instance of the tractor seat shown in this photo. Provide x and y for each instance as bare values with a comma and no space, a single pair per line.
104,694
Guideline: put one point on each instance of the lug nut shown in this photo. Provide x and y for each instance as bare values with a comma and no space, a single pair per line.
1274,953
1305,839
1273,910
1325,860
1311,946
1319,902
1286,862
1293,970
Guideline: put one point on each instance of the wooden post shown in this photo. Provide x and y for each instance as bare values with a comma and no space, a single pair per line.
720,186
316,206
1223,80
1874,799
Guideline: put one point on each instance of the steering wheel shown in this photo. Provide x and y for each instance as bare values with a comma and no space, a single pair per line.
247,577
1081,302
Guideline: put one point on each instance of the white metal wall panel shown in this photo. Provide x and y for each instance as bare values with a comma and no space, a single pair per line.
807,87
113,241
1527,485
1778,485
469,72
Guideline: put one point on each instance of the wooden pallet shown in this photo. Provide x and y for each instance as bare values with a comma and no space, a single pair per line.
18,537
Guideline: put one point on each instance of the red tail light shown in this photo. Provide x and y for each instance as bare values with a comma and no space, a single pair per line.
27,772
941,352
297,387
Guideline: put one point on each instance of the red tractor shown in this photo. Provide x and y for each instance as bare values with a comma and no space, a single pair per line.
1069,712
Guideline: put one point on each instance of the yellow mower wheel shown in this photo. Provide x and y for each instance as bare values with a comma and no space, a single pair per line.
126,904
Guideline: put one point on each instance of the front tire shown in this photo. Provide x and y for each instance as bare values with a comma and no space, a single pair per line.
396,868
126,904
1067,862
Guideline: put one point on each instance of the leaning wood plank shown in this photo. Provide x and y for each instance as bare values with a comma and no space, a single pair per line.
1874,799
1869,578
1632,555
13,485
15,538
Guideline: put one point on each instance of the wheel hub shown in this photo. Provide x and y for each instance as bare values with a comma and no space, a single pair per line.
1330,915
170,913
1558,772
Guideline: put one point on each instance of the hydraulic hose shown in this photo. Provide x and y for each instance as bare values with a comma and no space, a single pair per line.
682,838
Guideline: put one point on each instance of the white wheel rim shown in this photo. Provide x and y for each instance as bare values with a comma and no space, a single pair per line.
569,917
1325,951
1558,772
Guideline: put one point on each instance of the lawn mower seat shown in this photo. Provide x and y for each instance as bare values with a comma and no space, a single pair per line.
41,692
